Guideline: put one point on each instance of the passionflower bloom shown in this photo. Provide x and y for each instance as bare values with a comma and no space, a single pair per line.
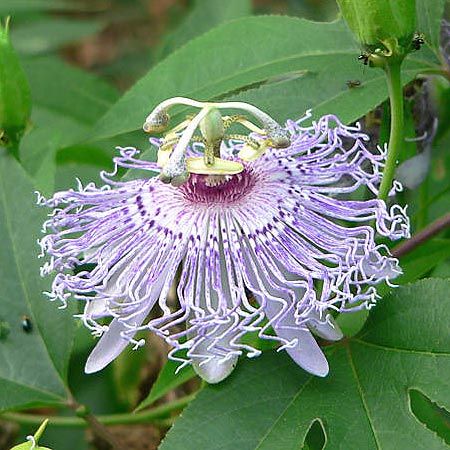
260,233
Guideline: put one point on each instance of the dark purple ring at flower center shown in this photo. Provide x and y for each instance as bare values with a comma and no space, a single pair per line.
219,189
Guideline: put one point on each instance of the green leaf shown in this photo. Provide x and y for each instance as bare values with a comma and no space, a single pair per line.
439,179
49,34
325,89
34,363
205,14
286,57
429,16
167,381
364,403
83,162
351,323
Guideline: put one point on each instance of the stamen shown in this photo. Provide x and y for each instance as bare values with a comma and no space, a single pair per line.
158,119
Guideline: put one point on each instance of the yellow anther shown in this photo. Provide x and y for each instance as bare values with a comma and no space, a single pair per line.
229,120
220,167
163,157
251,153
169,141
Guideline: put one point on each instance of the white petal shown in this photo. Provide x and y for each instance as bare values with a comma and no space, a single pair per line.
111,344
304,349
96,308
381,268
307,353
327,329
216,369
108,348
209,365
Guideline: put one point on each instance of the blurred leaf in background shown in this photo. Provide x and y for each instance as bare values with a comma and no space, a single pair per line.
204,15
61,121
47,34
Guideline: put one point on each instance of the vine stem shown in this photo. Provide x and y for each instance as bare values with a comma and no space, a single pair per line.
393,75
101,431
157,414
424,235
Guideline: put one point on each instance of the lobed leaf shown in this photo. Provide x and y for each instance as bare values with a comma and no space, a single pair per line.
270,403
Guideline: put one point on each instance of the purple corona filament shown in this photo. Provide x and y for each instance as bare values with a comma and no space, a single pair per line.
273,250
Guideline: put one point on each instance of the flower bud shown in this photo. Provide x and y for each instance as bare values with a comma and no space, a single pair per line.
15,97
376,21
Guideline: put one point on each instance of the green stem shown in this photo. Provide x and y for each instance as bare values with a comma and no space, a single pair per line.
394,82
158,414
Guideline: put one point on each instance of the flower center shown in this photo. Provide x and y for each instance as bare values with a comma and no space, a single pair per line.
222,189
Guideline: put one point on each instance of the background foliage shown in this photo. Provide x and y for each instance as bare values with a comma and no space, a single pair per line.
96,69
